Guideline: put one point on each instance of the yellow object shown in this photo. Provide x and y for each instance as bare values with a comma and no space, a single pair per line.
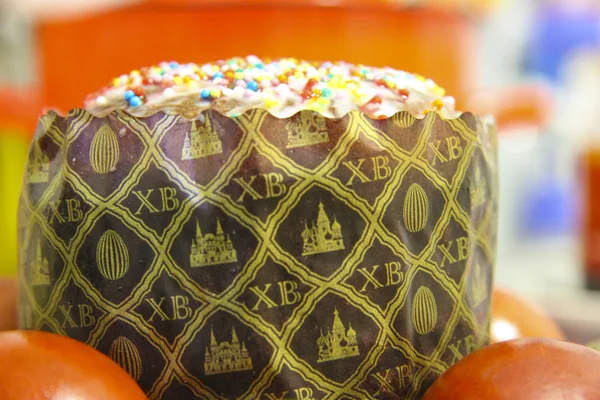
13,154
271,102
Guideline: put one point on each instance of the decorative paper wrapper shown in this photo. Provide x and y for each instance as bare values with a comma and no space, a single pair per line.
263,258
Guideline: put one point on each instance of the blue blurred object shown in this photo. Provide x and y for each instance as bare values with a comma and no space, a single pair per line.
548,210
549,205
556,33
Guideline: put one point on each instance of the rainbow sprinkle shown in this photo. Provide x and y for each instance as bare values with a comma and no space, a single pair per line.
283,86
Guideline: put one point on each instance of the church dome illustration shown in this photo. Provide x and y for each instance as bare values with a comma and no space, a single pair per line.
323,237
338,343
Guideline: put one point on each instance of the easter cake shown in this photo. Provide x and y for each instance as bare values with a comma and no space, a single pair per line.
258,229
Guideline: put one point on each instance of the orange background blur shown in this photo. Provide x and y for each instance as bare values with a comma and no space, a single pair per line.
79,54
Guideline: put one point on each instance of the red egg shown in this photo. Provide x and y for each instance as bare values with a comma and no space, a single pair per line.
522,369
40,365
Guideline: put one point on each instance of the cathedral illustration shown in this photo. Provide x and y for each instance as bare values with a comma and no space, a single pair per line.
224,357
479,285
211,249
309,129
202,141
38,168
324,237
477,188
40,274
338,343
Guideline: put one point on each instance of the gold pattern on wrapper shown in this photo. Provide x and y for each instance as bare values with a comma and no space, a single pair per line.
202,141
404,120
211,249
123,352
263,258
477,188
112,256
307,130
479,285
226,357
40,274
424,311
38,167
104,152
338,342
416,208
323,236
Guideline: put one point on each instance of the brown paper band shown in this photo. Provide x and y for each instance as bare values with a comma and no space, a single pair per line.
256,257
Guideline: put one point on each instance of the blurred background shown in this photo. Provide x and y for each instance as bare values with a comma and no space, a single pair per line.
533,63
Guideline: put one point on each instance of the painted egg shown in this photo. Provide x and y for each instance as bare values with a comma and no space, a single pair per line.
123,352
424,311
104,151
415,209
112,256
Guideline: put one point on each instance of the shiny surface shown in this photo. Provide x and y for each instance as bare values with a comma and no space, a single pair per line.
514,317
525,369
39,365
213,247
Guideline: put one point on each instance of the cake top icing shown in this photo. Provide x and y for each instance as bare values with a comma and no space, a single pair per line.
283,86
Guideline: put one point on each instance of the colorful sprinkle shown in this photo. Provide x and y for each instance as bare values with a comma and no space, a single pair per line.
135,101
205,94
271,102
128,95
252,85
284,86
376,100
139,91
